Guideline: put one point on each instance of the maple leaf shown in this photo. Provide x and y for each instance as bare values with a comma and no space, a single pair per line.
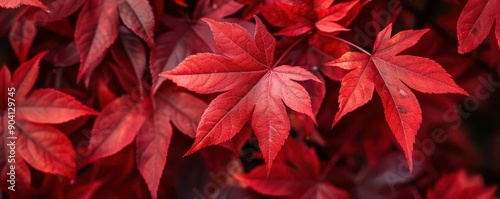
96,29
302,16
296,174
17,3
461,185
24,29
137,15
145,118
475,22
44,147
253,88
390,76
98,26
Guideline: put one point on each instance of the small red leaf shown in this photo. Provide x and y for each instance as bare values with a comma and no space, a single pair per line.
138,16
50,106
475,22
300,17
130,55
46,149
116,127
57,10
295,175
152,149
21,37
26,75
96,29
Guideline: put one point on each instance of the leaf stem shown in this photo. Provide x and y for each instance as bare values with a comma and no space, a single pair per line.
289,48
348,43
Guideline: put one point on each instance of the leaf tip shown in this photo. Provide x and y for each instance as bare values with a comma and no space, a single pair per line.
410,164
336,120
208,20
164,74
92,112
464,92
462,50
257,20
194,148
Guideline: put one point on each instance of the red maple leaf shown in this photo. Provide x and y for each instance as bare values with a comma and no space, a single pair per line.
145,118
461,185
253,88
475,22
390,75
295,174
42,146
301,16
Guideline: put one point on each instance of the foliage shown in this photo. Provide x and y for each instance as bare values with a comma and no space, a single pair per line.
250,98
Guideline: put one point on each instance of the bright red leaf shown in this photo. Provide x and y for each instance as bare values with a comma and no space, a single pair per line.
475,22
252,86
42,146
391,75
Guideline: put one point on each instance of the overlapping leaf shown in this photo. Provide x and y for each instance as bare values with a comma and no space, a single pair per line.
475,22
17,3
98,26
147,120
42,146
301,16
461,185
189,35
